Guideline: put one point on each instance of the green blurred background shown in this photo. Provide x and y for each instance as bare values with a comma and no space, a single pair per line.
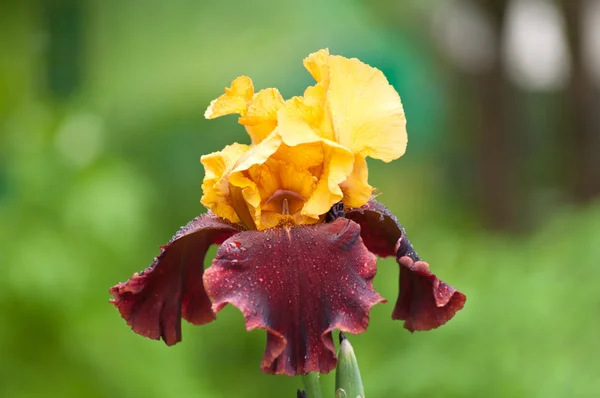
101,130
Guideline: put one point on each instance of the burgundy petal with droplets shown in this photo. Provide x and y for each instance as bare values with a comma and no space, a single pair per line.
299,284
424,302
154,301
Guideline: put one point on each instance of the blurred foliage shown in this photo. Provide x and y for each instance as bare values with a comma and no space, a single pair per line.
101,129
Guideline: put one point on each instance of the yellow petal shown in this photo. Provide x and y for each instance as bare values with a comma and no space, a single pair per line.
302,120
261,116
336,161
337,165
279,180
356,188
257,155
277,175
315,97
294,125
308,174
316,63
216,164
307,155
235,99
366,111
215,186
295,178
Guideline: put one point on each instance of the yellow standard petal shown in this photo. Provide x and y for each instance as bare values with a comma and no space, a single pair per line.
317,64
366,111
336,162
362,108
215,186
235,99
258,112
260,118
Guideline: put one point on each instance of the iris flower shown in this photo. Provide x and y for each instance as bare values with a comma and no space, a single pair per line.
296,222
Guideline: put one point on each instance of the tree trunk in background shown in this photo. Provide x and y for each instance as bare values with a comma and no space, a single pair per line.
497,158
484,120
582,140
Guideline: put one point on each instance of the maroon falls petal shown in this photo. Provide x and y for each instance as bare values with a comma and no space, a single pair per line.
424,302
380,229
298,284
154,300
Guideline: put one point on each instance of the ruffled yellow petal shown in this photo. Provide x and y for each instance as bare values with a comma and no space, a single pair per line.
366,111
337,165
317,64
336,161
235,99
264,187
312,107
308,156
277,175
360,108
306,175
258,112
260,118
257,155
215,186
301,120
356,188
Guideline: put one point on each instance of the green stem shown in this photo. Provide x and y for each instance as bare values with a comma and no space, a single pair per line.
312,386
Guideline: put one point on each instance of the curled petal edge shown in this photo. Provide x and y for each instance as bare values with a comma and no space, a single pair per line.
154,300
424,301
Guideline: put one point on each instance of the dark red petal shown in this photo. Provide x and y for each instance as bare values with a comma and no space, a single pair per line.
380,229
154,300
298,284
424,302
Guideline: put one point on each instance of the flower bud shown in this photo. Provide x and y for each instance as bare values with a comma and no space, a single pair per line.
348,382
